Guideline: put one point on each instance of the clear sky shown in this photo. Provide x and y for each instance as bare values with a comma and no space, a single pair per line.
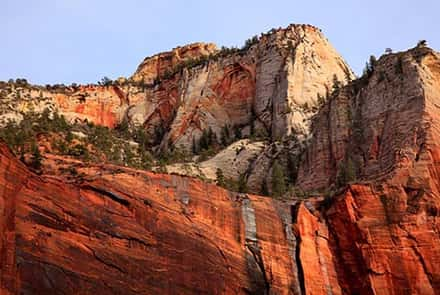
65,41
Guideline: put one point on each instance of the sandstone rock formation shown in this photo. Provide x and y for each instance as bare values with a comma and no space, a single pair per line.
268,87
234,160
157,66
386,124
134,232
107,229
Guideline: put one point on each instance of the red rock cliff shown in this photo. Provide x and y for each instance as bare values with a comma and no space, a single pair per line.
123,231
137,233
385,231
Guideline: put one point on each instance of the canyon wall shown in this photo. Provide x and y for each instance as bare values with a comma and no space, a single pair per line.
135,232
117,230
268,86
385,124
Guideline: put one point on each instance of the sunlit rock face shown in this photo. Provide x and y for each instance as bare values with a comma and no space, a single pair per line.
271,85
105,232
386,124
117,230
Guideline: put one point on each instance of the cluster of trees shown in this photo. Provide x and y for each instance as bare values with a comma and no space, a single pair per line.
19,81
21,137
98,141
249,42
208,142
186,64
239,185
278,186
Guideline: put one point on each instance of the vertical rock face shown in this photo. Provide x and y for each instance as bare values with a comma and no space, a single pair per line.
385,233
388,241
386,124
265,87
12,178
103,233
136,233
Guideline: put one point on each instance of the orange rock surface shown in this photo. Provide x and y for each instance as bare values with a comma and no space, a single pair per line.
115,230
135,233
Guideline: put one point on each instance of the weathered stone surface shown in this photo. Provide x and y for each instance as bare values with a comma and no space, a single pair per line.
116,230
156,66
265,86
386,124
134,233
385,233
181,235
268,90
388,242
235,160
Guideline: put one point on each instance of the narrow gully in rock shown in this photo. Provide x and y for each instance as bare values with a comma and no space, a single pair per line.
252,246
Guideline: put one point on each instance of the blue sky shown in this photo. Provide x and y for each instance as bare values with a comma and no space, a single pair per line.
65,41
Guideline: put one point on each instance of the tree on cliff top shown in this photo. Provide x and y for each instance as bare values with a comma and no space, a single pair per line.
105,81
422,43
369,66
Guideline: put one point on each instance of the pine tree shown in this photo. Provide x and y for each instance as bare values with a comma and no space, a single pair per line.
373,62
242,184
369,66
36,157
278,180
336,83
422,43
264,189
237,132
225,135
220,178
